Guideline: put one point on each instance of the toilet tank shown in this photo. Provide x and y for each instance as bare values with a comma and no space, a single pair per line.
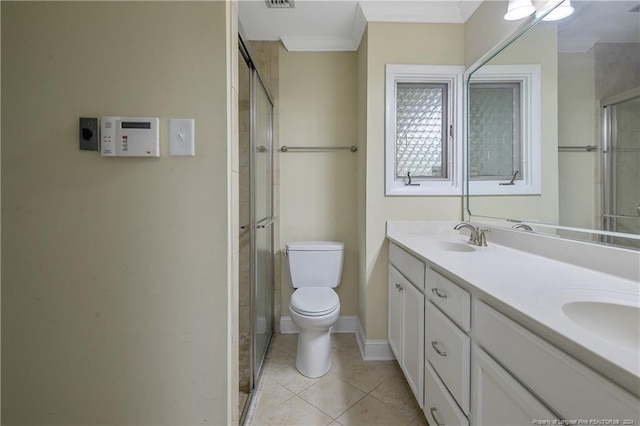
315,263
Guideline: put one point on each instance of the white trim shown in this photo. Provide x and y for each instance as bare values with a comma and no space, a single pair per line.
358,27
344,324
373,350
318,44
370,350
530,79
450,12
447,74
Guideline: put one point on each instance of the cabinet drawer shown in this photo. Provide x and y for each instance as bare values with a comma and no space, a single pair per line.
439,407
567,386
450,298
408,265
448,350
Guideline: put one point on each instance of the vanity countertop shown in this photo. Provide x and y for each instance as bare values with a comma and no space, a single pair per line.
532,289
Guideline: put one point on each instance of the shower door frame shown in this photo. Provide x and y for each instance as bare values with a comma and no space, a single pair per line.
257,359
608,209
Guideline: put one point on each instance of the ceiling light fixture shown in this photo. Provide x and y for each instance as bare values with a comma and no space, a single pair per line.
560,12
518,9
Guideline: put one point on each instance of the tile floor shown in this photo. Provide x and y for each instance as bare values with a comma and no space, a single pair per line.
354,392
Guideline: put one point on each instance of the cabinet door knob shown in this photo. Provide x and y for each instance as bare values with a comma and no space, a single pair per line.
433,412
434,345
440,293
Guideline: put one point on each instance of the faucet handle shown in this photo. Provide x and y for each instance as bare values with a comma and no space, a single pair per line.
482,236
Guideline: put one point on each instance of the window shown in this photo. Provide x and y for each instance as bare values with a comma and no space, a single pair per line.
504,130
423,143
495,136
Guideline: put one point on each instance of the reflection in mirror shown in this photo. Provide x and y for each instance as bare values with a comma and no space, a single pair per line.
554,126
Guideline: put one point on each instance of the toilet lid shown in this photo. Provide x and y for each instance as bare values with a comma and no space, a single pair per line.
314,301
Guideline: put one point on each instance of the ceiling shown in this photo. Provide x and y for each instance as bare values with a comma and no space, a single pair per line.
599,21
324,25
337,25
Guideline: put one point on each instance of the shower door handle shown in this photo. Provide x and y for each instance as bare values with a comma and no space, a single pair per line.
267,221
638,209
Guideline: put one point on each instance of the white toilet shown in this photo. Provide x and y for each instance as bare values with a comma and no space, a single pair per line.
316,269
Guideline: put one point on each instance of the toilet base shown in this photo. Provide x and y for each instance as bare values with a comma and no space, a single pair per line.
313,358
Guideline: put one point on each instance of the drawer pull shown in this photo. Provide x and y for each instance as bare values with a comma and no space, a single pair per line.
433,412
441,294
434,345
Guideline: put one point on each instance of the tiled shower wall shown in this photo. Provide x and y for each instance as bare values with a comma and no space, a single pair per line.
617,68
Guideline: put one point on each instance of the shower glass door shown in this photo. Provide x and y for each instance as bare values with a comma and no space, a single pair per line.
622,167
262,201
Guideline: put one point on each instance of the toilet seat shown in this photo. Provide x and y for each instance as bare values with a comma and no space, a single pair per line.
314,301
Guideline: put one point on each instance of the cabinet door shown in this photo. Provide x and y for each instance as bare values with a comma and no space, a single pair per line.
396,281
413,339
498,399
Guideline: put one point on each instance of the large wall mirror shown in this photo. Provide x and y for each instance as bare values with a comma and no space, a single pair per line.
553,136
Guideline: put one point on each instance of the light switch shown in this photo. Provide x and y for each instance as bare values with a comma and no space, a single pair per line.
181,137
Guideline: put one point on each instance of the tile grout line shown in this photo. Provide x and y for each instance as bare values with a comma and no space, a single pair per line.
255,415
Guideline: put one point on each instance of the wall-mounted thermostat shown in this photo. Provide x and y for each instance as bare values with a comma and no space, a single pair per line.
129,136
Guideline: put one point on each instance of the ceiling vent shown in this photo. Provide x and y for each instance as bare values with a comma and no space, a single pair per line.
279,4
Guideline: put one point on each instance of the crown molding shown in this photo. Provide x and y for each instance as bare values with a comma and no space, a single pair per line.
318,44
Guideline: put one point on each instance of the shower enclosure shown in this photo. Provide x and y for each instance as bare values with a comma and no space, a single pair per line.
256,217
621,166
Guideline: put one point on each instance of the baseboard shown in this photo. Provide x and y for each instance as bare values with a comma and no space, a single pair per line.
345,324
370,350
373,350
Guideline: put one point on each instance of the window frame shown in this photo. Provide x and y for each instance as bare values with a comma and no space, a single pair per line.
452,77
530,178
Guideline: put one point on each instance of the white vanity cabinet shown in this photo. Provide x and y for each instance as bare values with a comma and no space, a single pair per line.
483,361
406,316
447,351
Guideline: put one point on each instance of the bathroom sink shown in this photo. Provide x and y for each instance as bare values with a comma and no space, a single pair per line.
451,246
614,322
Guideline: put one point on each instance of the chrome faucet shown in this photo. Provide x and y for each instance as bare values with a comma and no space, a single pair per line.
478,236
523,226
473,238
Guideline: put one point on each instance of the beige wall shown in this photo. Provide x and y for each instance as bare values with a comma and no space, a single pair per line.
116,272
484,29
431,44
578,115
318,190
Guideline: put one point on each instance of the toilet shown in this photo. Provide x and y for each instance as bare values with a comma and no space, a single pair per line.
316,269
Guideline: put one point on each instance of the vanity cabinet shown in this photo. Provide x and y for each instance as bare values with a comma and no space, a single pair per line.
475,365
406,317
